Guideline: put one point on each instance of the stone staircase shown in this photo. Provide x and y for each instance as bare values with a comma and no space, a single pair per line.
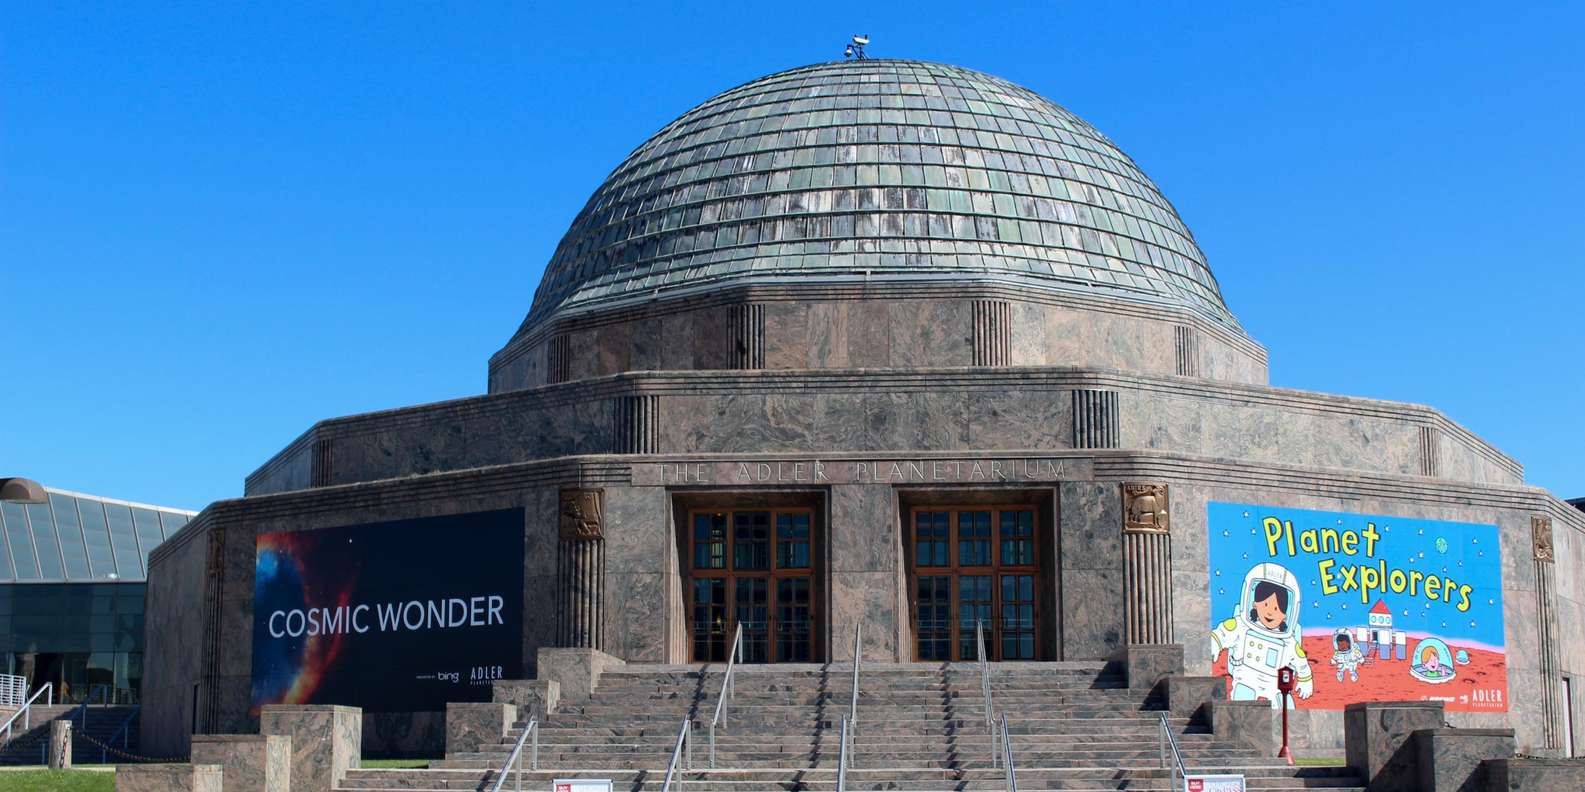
103,722
1074,726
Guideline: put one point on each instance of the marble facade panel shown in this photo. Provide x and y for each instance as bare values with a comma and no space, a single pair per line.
864,529
613,348
869,598
676,342
648,340
930,333
1092,613
787,335
1090,526
1028,331
635,630
869,335
1019,419
828,334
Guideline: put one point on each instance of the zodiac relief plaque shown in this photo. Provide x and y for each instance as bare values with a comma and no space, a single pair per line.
1145,508
581,516
1541,533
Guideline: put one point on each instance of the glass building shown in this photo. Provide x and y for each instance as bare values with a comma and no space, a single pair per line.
72,574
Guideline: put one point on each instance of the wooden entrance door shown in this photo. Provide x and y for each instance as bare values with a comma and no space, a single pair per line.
755,568
973,564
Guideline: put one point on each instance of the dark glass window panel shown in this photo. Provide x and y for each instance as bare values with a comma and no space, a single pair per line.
751,540
974,607
751,609
794,621
124,541
709,541
44,542
792,540
171,522
101,558
934,609
70,530
148,527
930,538
1018,617
709,620
974,538
1018,538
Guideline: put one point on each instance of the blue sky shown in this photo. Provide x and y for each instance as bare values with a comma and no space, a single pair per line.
220,222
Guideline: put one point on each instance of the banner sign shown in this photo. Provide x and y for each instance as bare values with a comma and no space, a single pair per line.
391,617
1362,607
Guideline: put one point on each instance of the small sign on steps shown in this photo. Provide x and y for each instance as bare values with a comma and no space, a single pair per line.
589,785
1207,783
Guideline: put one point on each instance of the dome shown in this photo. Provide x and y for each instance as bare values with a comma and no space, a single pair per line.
877,169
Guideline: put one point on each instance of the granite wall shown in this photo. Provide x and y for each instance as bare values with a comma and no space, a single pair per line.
173,629
935,410
878,326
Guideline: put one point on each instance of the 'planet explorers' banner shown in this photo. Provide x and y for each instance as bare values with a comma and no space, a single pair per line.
391,617
1363,607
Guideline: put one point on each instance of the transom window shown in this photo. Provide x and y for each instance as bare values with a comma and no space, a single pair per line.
974,565
752,568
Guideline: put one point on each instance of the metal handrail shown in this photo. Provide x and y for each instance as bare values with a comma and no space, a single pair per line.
728,688
516,757
1167,738
26,712
1009,773
124,731
853,704
985,690
678,756
842,758
81,713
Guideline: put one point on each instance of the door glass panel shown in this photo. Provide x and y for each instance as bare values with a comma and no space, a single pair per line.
750,540
930,538
974,605
974,538
709,541
1018,617
752,612
793,620
934,606
709,620
792,540
1018,538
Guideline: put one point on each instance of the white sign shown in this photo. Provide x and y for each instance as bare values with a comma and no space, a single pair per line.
1213,783
584,785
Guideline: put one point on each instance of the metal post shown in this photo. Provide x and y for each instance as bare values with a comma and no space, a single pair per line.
712,746
519,764
687,748
535,726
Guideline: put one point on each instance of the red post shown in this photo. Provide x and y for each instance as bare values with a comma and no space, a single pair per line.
1285,685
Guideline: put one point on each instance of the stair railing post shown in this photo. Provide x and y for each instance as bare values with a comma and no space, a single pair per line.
534,765
712,746
519,762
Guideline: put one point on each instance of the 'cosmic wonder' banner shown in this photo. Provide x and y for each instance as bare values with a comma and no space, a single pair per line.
1362,607
391,617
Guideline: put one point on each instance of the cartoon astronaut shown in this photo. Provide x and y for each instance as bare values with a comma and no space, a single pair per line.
1264,636
1345,655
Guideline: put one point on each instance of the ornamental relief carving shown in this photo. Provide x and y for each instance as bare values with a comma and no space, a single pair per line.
1145,508
581,515
1541,533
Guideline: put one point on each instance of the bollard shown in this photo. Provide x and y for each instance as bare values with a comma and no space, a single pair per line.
60,745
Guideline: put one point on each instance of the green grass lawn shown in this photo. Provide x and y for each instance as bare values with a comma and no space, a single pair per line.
56,781
1319,761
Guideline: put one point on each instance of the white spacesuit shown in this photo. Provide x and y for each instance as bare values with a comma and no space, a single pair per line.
1264,636
1346,660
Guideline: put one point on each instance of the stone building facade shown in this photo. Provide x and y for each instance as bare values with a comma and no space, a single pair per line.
884,344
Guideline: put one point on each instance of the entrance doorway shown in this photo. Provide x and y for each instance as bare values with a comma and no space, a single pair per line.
754,568
974,565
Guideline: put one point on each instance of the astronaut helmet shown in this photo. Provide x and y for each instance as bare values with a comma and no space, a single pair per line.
1270,602
1342,640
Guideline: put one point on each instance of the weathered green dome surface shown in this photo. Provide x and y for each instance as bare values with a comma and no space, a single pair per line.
871,170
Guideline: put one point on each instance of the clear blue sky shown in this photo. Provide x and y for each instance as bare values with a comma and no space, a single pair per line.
220,222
